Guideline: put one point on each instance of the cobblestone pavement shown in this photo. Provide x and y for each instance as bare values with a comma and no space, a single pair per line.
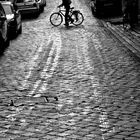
129,38
68,84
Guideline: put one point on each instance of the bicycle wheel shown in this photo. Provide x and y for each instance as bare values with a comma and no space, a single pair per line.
56,19
78,18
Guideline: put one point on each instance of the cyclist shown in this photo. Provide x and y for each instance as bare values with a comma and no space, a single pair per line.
66,4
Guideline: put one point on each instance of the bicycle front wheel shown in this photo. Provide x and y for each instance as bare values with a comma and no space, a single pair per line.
78,18
56,19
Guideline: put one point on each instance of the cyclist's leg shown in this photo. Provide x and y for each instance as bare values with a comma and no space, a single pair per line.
76,15
67,15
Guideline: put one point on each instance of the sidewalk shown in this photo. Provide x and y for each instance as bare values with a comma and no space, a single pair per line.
129,38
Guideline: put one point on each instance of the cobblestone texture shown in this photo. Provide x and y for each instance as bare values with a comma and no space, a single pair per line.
95,79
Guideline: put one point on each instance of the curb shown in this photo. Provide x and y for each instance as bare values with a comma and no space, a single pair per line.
129,38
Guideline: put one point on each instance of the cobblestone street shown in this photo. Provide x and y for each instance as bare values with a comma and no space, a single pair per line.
68,84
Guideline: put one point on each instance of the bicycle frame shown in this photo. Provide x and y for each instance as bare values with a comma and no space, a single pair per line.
62,11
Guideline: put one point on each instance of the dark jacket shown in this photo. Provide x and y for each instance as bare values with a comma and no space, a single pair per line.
66,3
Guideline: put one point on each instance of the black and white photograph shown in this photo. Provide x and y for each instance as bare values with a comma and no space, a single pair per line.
69,69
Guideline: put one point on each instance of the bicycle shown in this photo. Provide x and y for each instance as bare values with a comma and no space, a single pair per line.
75,17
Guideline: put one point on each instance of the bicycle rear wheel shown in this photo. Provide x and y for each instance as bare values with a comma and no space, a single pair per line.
56,19
78,18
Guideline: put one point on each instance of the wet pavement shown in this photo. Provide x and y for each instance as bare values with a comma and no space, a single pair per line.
68,84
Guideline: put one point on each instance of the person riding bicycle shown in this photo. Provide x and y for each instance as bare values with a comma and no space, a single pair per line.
66,4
